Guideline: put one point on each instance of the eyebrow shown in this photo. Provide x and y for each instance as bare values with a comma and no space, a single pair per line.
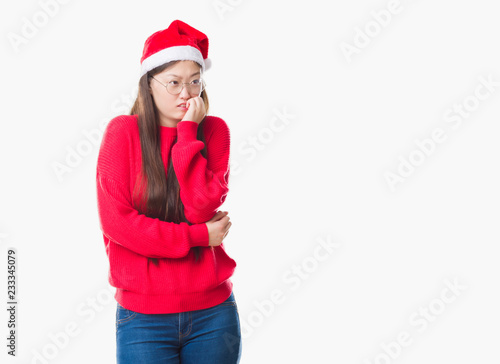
171,74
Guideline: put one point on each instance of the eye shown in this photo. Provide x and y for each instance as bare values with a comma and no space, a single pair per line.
174,83
196,82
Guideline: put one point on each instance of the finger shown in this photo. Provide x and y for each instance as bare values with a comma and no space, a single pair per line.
195,103
219,216
201,103
198,106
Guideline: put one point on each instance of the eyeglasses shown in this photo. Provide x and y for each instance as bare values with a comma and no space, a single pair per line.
175,87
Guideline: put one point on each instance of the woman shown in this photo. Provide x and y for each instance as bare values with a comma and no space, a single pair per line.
162,174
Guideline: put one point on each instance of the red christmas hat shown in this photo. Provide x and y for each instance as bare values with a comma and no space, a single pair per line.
178,42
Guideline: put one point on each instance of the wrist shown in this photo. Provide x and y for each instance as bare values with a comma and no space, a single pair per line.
187,130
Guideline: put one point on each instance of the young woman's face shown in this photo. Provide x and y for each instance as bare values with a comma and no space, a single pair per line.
170,112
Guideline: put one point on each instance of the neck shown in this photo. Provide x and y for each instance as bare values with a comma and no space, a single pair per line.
170,123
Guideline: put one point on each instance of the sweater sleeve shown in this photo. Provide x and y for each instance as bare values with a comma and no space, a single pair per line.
121,222
203,181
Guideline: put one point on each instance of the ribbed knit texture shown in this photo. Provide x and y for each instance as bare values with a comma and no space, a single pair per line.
178,283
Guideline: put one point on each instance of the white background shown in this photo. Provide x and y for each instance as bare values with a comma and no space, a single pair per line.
321,177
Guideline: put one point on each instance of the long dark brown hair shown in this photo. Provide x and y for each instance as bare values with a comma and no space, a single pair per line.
156,195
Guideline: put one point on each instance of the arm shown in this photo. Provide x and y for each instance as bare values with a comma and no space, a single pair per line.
118,218
150,237
203,181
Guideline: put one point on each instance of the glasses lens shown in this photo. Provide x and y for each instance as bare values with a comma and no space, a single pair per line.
174,88
194,87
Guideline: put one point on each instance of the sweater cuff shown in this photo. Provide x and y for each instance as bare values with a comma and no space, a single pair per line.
187,131
199,235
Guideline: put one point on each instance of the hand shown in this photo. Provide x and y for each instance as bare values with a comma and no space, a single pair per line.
218,227
196,110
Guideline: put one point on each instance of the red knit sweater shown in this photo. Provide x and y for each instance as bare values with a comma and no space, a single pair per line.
178,283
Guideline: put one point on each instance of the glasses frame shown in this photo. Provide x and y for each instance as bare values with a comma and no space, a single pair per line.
203,85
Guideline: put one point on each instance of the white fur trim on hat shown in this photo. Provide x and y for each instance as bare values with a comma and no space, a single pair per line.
208,63
176,53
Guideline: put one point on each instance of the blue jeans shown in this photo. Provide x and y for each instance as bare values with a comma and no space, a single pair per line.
211,335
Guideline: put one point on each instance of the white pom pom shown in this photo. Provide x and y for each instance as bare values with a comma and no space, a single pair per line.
208,63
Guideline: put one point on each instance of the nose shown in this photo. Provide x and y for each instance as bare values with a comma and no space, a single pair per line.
185,92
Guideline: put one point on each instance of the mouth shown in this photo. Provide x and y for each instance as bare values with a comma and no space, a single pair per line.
183,106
